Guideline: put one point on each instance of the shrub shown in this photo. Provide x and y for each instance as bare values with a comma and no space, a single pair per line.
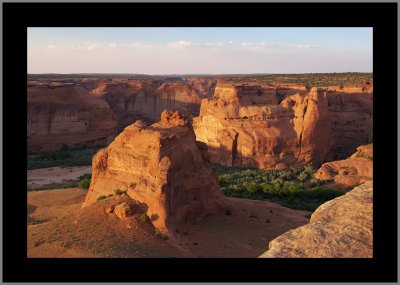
102,197
119,192
84,184
228,212
302,176
316,182
159,234
143,218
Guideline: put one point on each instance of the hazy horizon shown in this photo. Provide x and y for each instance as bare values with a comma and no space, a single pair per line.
211,51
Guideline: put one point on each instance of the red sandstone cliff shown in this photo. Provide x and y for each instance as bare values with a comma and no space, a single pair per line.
67,114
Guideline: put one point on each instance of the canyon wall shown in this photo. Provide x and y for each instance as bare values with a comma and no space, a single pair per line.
66,114
161,166
245,125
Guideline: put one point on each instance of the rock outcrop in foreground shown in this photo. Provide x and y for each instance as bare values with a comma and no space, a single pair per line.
355,170
161,166
340,228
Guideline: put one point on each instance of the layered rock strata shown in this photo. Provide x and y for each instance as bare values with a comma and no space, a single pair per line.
161,166
340,228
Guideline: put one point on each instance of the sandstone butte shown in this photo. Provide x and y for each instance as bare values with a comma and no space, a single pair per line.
354,170
340,228
245,125
162,167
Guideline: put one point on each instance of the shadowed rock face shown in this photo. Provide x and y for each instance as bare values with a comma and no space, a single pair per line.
67,114
351,171
161,166
265,134
340,228
130,100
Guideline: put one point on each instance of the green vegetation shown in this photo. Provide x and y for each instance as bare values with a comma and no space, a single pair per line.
159,234
62,157
84,181
294,188
143,218
32,221
363,155
102,197
119,192
306,79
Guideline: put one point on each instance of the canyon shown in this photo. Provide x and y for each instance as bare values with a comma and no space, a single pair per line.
160,142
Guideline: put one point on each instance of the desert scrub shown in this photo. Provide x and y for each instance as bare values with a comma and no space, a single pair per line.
84,181
62,157
159,234
143,218
280,186
102,197
119,192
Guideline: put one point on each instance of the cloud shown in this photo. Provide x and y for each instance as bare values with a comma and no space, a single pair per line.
112,45
180,44
91,46
51,46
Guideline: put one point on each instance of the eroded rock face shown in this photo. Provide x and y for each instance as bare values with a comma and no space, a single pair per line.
146,99
67,114
351,171
161,166
340,228
265,134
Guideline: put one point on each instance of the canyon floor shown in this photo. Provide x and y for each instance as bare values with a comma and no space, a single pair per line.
53,177
58,227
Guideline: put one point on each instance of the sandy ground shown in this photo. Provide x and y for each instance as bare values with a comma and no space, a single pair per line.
58,227
53,177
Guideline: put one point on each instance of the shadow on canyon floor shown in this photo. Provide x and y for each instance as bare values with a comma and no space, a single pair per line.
67,230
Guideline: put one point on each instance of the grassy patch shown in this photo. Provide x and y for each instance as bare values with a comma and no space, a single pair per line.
32,221
143,218
102,197
294,188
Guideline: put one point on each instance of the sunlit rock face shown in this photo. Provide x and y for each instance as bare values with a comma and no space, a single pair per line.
354,170
340,228
161,166
244,126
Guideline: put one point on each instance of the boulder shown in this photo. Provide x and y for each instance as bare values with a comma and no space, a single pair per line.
354,170
123,210
340,228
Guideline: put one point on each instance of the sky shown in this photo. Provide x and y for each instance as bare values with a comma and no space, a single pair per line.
159,51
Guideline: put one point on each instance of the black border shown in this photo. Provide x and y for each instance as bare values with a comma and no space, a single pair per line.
381,16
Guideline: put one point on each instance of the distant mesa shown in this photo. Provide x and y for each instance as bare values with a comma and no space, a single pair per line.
161,166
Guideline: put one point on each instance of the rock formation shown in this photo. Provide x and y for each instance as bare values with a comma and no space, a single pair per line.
351,121
340,228
348,172
146,99
161,166
244,126
66,114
